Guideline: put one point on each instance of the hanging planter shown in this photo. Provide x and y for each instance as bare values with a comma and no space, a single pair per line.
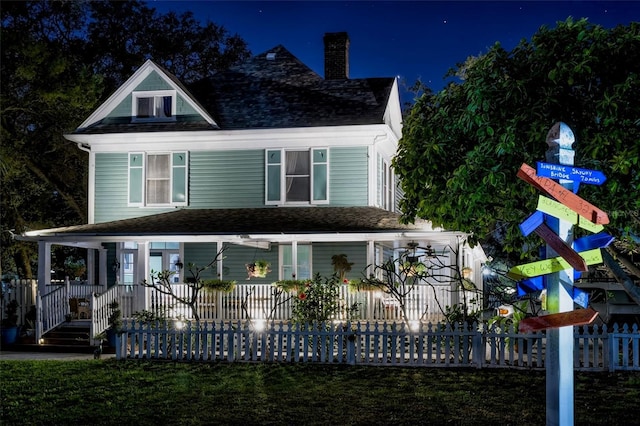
258,269
414,268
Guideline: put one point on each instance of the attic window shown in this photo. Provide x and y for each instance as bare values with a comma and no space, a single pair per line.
271,56
153,106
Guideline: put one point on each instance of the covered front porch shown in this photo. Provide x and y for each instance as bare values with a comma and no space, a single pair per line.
121,254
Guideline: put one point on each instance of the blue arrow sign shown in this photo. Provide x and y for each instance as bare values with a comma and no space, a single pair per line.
531,223
576,174
590,242
531,285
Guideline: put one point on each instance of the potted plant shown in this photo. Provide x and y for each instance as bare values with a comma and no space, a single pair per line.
10,323
27,332
115,322
362,285
290,285
75,268
258,269
215,285
341,265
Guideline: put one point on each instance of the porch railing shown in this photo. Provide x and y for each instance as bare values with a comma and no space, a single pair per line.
53,307
258,301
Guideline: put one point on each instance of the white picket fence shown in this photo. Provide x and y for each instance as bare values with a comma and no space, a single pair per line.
373,343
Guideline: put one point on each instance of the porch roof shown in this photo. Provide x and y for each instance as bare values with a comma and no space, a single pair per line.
266,224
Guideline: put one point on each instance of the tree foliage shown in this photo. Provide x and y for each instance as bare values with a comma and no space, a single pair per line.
59,61
461,148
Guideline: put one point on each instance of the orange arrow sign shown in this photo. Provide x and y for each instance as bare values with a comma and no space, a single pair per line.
577,317
561,247
563,195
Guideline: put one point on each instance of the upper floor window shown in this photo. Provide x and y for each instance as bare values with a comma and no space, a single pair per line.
154,105
158,179
297,176
386,185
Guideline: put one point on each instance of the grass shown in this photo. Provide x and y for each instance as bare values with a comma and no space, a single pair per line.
109,392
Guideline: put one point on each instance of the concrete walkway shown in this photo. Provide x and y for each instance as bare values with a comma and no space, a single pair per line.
56,356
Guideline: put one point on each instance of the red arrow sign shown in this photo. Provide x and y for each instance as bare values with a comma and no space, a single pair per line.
561,247
563,195
577,317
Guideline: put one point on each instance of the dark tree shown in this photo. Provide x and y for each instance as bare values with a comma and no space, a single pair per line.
461,148
59,60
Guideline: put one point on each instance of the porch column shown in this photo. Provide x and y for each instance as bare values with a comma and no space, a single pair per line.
142,273
91,266
455,264
44,266
102,270
219,246
294,258
371,257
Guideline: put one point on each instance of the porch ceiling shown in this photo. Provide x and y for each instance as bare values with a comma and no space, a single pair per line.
266,224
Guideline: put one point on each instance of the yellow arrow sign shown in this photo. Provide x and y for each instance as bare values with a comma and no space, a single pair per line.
562,212
548,266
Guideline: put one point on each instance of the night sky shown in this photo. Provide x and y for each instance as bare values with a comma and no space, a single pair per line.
409,39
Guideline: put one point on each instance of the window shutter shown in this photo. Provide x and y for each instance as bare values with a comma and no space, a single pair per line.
320,176
136,179
179,185
273,176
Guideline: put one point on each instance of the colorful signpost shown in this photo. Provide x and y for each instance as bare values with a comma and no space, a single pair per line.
553,222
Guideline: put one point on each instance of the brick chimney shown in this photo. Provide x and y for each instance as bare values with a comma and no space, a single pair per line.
336,56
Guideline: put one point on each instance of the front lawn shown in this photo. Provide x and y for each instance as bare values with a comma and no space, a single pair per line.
109,392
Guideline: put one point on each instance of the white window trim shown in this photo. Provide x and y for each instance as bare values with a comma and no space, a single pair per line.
171,203
283,178
154,94
294,259
387,186
145,182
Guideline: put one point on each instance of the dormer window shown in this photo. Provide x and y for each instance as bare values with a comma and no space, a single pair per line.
154,105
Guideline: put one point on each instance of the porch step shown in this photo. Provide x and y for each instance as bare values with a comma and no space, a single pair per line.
71,337
68,334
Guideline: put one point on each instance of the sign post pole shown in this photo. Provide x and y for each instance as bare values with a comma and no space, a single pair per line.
559,364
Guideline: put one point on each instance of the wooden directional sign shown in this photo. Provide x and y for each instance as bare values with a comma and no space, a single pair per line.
576,174
562,319
531,223
556,209
591,242
554,264
563,195
561,247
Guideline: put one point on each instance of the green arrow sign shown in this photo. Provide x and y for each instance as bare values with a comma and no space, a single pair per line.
548,266
556,209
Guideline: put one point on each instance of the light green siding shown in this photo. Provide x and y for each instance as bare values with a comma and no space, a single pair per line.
111,189
348,176
356,253
235,259
226,179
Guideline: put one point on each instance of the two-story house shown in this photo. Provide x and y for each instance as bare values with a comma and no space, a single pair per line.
269,160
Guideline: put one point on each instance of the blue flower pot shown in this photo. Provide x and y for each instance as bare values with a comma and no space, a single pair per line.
9,335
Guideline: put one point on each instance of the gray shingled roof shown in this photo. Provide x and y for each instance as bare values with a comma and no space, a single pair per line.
283,92
280,220
278,93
